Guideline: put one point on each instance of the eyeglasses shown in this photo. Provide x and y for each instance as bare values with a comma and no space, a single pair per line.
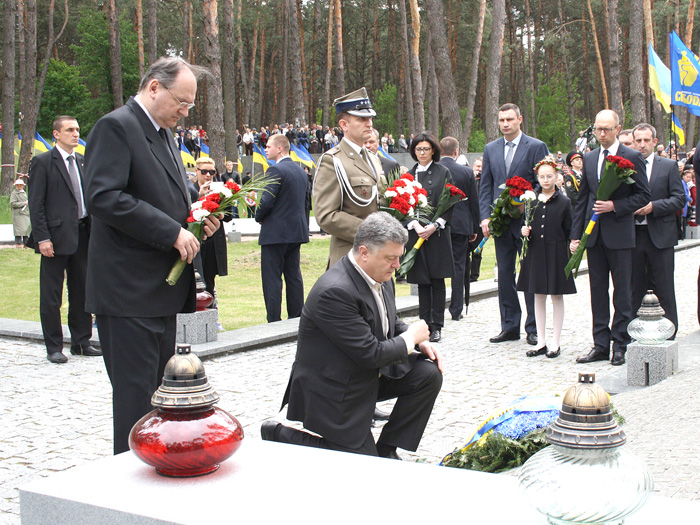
424,150
183,105
603,130
207,172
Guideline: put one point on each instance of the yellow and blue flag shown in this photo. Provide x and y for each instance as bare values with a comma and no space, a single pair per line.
678,129
203,150
187,158
80,148
40,144
685,75
380,151
259,157
660,79
300,154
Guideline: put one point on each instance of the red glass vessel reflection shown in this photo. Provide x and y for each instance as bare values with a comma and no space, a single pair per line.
186,443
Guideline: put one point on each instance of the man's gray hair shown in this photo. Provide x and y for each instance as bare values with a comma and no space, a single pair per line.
377,230
166,69
642,126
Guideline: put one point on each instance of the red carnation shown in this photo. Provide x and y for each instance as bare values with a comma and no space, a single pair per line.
235,188
213,197
516,192
400,183
455,191
408,176
210,206
190,218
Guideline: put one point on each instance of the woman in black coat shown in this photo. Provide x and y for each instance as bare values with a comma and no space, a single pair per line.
434,261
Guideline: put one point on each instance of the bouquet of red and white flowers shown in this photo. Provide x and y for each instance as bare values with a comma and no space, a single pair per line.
221,197
406,198
508,205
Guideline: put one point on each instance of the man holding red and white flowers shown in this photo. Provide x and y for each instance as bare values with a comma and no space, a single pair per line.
612,240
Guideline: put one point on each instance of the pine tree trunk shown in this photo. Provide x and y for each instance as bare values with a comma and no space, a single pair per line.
29,109
115,54
8,97
339,67
376,53
636,67
493,72
152,31
215,102
186,33
261,83
567,72
614,61
246,102
284,73
228,74
139,36
473,77
531,73
295,63
250,107
305,95
419,108
432,90
326,102
405,66
601,70
451,125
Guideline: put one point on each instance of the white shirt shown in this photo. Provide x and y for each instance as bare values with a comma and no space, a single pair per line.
612,150
649,164
65,156
515,142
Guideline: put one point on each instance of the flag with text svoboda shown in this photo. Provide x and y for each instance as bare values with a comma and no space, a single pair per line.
685,75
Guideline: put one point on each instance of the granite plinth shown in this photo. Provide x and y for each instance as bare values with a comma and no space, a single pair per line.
649,364
234,236
268,482
198,327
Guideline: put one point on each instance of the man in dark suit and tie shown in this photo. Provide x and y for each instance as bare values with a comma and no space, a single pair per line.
60,233
611,242
514,155
655,226
353,350
139,202
283,229
464,225
372,144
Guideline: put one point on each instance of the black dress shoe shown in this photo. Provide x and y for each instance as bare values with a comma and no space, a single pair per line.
536,352
457,317
435,336
380,415
57,358
532,339
593,355
390,455
618,358
387,451
86,350
505,336
267,430
554,354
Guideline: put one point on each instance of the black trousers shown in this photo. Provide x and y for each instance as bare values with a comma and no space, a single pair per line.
652,269
415,395
431,303
604,262
461,275
135,352
507,249
51,275
277,260
476,257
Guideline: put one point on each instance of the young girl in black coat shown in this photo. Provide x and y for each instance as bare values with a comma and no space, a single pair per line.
542,269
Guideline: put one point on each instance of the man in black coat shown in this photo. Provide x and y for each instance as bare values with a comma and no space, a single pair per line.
353,350
655,227
611,242
464,225
139,202
514,155
60,233
283,229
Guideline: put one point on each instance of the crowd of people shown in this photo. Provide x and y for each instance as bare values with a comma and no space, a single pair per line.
114,222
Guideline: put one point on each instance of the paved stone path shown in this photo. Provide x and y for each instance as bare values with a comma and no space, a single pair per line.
57,417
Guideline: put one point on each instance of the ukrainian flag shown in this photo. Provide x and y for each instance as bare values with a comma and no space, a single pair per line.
685,75
678,129
203,150
300,154
240,166
259,157
80,148
660,79
187,158
40,145
384,154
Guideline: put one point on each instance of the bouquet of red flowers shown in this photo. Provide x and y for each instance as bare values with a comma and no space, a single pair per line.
221,197
617,170
450,196
406,198
508,205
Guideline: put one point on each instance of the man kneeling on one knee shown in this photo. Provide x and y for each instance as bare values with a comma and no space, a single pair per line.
353,351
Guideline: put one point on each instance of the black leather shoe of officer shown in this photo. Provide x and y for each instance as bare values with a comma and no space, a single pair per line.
435,336
380,415
86,350
57,358
594,355
267,430
618,358
532,339
505,336
386,451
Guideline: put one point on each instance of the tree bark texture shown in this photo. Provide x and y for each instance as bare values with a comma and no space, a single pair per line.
530,72
295,65
8,96
152,31
115,54
29,109
139,36
493,73
215,102
228,81
405,60
473,77
614,61
416,76
637,63
599,58
326,101
339,67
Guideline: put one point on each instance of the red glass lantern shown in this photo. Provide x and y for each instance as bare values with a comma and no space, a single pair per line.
185,435
203,298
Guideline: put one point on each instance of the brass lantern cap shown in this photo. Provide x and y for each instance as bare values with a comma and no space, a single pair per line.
185,384
651,307
585,420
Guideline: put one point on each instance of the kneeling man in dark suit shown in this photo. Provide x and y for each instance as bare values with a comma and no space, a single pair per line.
353,350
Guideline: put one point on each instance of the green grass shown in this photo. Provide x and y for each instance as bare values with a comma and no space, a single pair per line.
5,211
240,292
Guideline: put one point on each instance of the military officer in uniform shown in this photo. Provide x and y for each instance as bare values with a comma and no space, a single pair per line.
349,181
572,180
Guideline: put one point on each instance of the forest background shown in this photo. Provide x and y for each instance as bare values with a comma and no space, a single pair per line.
439,65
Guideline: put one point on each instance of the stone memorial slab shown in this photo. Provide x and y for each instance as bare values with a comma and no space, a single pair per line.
649,364
198,327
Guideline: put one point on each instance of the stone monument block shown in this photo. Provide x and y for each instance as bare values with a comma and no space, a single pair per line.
198,327
649,364
234,236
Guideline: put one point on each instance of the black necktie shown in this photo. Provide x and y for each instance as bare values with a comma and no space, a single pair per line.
164,135
602,166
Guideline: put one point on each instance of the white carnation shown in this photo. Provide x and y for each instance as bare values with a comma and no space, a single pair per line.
196,205
390,194
216,186
542,198
200,214
528,196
